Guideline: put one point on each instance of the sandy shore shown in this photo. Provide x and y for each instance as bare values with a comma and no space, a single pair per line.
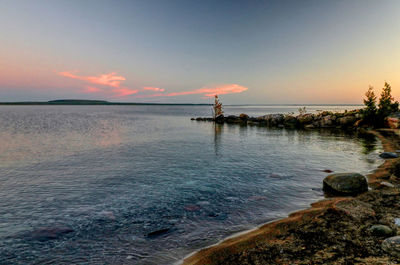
332,231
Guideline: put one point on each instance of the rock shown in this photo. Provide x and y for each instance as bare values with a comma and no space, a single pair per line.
388,155
356,209
327,171
392,246
48,233
347,121
219,119
192,207
397,221
305,118
381,230
290,121
309,126
358,123
393,121
387,184
192,119
274,119
327,121
158,232
244,116
345,183
231,119
199,119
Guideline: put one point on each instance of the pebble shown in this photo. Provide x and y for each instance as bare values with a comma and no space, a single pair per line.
387,184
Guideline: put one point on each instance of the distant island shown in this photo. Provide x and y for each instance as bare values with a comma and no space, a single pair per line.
104,102
89,102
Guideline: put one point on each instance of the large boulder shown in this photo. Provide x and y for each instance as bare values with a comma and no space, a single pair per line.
231,118
392,246
347,121
328,121
244,116
274,119
290,121
305,118
345,184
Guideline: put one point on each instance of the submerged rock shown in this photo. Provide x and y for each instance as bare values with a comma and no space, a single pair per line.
159,232
345,183
389,155
381,230
392,246
48,233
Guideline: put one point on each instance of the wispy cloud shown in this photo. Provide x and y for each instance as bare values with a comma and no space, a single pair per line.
123,92
150,88
208,91
110,84
111,79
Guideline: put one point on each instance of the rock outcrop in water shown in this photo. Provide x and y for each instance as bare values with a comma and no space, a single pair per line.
325,119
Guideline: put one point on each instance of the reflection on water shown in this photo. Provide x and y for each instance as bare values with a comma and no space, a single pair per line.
145,185
217,136
368,142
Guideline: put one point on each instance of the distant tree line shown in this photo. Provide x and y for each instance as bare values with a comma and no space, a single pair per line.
374,114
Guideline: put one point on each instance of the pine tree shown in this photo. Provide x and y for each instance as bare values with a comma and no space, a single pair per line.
386,104
370,111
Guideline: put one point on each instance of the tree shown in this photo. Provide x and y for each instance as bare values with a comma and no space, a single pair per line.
370,111
386,104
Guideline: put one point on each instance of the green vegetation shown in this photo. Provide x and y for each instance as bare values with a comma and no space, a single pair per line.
373,115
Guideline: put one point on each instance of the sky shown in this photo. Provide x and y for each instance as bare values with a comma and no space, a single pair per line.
248,52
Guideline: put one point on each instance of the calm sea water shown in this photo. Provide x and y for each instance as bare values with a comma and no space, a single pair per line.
115,174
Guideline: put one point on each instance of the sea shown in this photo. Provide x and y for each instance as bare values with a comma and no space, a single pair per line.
144,184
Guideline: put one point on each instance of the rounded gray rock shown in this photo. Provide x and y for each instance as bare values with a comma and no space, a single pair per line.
392,246
345,183
389,155
381,230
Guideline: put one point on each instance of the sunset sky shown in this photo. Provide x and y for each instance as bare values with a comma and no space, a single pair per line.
249,52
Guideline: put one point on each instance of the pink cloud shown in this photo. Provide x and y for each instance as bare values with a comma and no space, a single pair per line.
91,89
110,83
111,79
209,91
123,91
154,88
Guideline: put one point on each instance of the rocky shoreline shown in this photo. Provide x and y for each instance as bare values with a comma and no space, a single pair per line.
356,228
323,119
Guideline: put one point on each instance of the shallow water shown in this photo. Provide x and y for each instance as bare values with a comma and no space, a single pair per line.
115,174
